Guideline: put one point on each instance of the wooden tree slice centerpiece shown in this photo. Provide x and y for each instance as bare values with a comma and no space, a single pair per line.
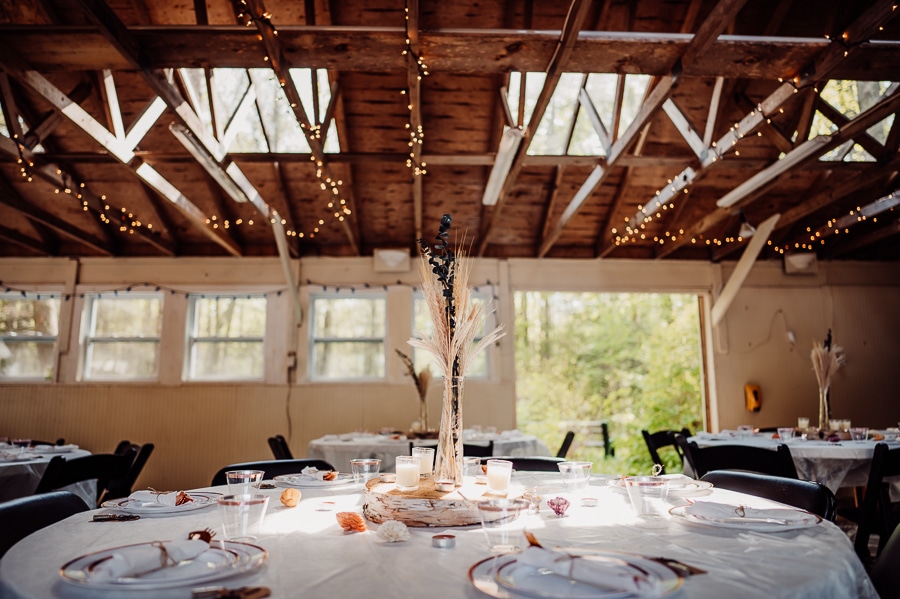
425,506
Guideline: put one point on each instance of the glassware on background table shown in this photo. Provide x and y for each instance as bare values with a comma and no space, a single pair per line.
802,424
785,433
242,515
859,433
502,525
845,425
745,430
648,496
498,474
21,444
242,482
576,475
364,469
425,455
835,424
472,466
407,468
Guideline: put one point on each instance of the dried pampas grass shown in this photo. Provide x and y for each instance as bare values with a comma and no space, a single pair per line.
826,361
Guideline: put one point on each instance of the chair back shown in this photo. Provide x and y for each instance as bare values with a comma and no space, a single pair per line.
280,448
807,495
529,463
25,515
664,438
478,451
875,514
122,487
738,457
885,573
272,468
103,467
566,444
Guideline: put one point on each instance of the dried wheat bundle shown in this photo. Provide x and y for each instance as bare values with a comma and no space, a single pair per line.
826,360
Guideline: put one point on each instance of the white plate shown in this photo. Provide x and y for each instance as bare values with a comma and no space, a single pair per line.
126,504
692,488
298,480
503,578
748,524
17,457
53,449
222,560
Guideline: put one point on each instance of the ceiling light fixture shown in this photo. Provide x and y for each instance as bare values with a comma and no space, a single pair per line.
509,144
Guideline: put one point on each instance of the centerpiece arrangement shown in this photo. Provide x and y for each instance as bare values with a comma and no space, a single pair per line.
826,359
457,321
421,380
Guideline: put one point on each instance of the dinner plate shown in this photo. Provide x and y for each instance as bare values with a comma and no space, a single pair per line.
748,523
691,488
298,480
53,449
126,504
17,457
503,577
222,560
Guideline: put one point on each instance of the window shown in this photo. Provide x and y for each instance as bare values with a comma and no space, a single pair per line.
347,337
28,329
121,338
422,325
225,339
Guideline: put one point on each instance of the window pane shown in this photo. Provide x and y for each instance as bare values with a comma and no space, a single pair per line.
230,317
127,317
353,318
227,360
349,359
26,359
29,317
122,360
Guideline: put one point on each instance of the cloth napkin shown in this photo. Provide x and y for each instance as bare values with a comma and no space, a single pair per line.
723,512
313,473
54,448
155,498
606,574
141,559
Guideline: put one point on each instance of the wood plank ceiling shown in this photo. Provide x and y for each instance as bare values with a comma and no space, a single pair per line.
120,137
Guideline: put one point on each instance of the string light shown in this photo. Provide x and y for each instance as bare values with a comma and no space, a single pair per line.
416,134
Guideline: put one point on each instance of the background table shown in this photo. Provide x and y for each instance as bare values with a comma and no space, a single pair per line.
310,556
338,450
21,478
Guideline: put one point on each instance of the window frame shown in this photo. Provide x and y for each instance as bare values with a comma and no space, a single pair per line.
35,295
352,293
191,338
87,339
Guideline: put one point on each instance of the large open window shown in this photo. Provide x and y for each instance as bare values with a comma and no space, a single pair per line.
29,325
347,336
120,337
226,337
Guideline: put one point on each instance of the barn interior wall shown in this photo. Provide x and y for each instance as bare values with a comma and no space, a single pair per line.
198,427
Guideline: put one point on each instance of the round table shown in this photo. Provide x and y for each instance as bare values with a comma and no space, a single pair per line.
309,555
19,478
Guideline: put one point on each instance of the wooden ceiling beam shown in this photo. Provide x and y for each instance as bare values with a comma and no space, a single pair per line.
868,143
575,16
39,132
414,90
863,241
29,243
10,109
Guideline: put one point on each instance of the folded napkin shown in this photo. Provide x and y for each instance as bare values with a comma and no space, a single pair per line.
313,473
723,512
141,559
169,499
678,481
608,574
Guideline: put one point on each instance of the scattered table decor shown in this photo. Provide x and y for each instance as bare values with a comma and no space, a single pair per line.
393,531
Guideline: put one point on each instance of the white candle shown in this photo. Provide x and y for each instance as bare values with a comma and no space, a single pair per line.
407,473
498,473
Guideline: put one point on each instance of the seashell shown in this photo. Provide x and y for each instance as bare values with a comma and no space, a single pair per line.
559,505
351,521
290,497
330,475
393,531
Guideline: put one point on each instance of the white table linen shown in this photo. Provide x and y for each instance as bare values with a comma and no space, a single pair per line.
21,478
338,450
311,556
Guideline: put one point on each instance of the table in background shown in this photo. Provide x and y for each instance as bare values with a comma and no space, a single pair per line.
310,556
19,478
338,450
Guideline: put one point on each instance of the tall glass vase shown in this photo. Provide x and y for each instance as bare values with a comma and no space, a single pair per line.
423,415
449,456
824,409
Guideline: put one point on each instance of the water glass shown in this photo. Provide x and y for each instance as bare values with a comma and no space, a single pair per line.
785,433
503,528
498,475
745,430
407,467
472,466
242,515
576,475
364,469
22,444
648,496
859,433
425,455
242,482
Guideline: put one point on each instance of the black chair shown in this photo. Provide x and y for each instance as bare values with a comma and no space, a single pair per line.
876,514
272,468
885,573
280,448
529,463
807,495
478,451
664,438
103,467
566,444
122,487
737,457
25,515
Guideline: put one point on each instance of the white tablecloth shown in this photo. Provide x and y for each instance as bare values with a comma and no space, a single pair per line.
311,557
835,465
21,478
338,450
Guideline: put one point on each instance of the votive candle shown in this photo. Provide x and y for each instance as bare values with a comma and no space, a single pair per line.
407,468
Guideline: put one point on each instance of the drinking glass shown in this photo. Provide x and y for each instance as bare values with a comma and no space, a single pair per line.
503,528
472,466
243,482
745,430
425,455
364,469
498,475
648,496
859,433
242,515
22,444
407,467
576,475
785,433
